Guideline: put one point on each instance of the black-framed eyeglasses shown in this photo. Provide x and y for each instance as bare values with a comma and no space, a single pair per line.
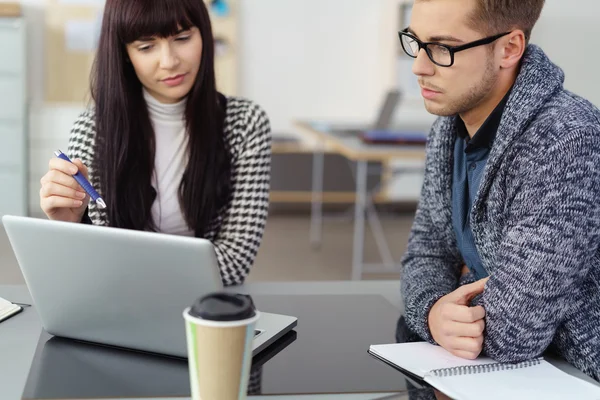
439,53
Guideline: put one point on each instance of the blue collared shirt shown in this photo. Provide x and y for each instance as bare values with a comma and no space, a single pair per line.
470,159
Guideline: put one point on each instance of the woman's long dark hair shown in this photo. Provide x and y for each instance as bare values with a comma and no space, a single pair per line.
125,143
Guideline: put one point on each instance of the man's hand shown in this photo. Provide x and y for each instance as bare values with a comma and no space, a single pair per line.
457,327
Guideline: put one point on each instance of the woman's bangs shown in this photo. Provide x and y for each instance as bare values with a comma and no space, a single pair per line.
142,19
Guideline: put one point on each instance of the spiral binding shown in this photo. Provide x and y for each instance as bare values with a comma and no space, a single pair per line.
480,369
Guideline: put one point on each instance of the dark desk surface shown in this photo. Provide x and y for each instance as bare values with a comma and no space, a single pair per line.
337,323
325,354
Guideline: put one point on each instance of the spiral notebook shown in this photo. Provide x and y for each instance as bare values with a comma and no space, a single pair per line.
8,309
483,378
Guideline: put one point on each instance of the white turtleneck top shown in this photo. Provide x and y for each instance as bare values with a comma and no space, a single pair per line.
170,162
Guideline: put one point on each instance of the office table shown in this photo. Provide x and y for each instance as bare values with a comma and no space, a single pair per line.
316,361
325,357
354,149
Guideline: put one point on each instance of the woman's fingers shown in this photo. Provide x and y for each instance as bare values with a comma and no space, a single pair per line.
54,189
55,202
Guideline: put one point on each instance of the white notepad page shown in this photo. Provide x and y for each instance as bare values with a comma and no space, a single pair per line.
542,381
420,358
7,309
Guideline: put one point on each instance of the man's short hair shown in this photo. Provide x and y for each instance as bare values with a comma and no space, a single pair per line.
498,16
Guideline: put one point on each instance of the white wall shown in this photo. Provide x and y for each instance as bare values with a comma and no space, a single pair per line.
317,59
568,31
326,59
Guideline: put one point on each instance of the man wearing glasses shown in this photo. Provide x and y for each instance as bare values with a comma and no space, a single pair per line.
503,255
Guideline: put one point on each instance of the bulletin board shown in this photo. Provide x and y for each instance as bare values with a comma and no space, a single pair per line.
72,30
70,39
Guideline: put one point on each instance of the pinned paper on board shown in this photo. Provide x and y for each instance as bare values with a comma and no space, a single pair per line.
72,29
80,36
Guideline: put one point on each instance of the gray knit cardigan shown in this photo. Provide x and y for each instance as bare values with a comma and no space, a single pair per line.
536,223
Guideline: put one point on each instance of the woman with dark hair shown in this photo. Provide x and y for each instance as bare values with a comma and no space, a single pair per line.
165,150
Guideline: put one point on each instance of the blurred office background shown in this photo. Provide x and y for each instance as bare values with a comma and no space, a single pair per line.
301,60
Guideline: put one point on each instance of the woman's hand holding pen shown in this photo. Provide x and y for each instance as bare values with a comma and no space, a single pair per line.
61,197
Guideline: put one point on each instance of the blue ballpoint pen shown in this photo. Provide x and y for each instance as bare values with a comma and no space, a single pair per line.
85,184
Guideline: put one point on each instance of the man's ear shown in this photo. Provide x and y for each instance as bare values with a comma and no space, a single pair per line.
513,48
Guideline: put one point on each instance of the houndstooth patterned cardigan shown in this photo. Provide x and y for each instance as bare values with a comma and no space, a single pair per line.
237,231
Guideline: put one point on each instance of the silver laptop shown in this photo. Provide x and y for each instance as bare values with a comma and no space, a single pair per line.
120,287
383,120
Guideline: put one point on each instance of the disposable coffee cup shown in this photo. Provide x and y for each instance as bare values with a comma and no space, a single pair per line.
219,333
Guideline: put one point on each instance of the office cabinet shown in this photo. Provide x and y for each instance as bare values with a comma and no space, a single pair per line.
13,117
11,41
11,94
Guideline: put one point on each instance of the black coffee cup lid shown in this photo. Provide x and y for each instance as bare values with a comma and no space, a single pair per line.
223,307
